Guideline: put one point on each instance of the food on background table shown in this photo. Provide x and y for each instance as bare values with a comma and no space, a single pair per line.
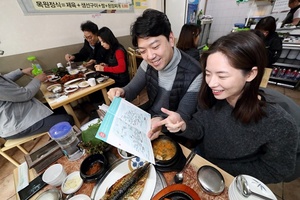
67,77
130,186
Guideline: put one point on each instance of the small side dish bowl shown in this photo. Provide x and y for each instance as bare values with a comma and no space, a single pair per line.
54,175
93,167
73,71
50,88
72,183
125,154
53,194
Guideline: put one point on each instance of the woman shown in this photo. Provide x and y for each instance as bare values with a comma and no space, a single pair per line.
20,113
240,131
293,16
115,65
188,40
273,43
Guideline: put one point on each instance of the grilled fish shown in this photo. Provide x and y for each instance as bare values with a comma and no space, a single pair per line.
129,186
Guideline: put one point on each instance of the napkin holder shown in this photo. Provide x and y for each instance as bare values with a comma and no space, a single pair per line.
44,156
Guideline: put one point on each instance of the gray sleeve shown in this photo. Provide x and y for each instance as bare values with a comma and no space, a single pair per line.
137,84
188,104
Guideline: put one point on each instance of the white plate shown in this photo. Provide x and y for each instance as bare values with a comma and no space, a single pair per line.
80,197
72,183
73,71
101,79
71,88
86,125
51,87
73,81
90,72
52,78
255,185
122,169
83,84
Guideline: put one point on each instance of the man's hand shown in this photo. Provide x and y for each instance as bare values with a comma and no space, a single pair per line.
115,92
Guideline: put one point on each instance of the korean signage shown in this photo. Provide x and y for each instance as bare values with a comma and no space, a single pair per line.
75,6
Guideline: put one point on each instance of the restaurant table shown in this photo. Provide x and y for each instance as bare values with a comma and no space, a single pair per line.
190,175
81,92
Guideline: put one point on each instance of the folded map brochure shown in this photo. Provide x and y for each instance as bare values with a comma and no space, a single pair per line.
125,126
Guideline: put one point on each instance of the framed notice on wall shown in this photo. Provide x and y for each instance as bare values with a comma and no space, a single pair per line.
280,6
75,6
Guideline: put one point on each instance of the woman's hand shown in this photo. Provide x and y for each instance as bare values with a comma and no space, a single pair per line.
173,122
155,129
100,67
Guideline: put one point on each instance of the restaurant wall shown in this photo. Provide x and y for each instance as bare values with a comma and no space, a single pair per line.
50,37
227,12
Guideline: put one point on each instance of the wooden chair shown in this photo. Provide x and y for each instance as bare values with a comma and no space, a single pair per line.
132,66
11,143
265,79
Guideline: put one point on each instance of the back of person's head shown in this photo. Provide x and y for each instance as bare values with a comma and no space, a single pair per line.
108,37
244,50
266,24
187,36
90,27
151,23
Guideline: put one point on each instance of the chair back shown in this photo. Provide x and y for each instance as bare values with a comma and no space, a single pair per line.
132,66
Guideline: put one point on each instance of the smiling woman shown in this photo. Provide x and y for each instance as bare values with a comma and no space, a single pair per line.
239,129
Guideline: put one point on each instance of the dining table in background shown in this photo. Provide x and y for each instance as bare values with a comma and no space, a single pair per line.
78,94
189,180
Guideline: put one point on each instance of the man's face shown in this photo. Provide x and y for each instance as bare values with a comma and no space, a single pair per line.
90,37
156,51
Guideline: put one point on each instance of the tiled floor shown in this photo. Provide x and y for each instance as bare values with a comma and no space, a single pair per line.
291,190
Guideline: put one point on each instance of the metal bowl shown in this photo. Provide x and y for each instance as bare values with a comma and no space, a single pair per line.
210,180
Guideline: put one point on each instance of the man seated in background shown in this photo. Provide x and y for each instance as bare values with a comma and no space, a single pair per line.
172,78
21,114
92,52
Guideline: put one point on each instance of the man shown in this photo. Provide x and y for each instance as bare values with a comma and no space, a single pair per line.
293,16
20,113
171,77
92,52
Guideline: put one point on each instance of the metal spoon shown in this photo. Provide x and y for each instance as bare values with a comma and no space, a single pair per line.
69,196
243,187
178,178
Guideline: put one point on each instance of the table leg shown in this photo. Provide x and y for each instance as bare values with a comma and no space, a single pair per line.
106,99
71,112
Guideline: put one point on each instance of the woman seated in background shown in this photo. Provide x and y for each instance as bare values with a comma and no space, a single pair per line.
21,114
273,43
115,64
188,40
240,131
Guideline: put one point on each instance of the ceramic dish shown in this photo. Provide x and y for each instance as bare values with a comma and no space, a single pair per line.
93,167
72,183
73,81
53,78
83,84
101,79
119,171
73,71
51,87
80,197
125,154
50,194
71,88
90,72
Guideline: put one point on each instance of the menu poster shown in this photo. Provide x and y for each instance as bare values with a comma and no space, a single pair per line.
125,126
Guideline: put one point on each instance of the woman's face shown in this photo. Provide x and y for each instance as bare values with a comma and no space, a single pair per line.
225,81
103,44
